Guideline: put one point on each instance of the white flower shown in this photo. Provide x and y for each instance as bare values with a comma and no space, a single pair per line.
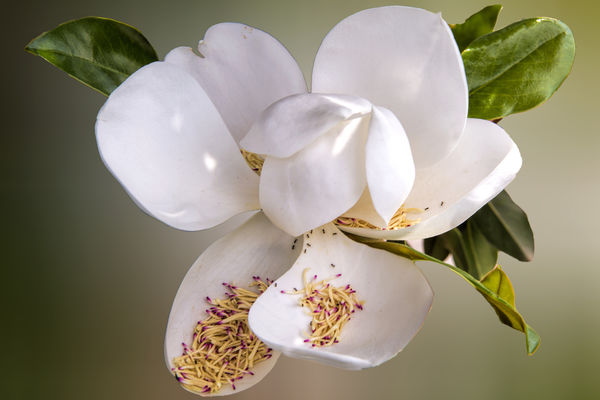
385,126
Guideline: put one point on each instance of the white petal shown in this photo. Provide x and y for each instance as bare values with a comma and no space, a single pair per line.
404,59
397,298
485,161
318,183
365,210
292,123
255,248
243,70
162,138
389,162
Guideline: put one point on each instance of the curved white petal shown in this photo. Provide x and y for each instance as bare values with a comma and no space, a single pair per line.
404,59
485,161
389,163
397,298
318,183
255,248
292,123
162,138
243,70
365,210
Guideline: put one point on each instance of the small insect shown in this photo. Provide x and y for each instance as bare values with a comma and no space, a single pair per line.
323,231
308,244
441,203
334,233
332,265
293,246
305,250
426,208
275,284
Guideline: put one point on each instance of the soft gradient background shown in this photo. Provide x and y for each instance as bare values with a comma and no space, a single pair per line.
88,279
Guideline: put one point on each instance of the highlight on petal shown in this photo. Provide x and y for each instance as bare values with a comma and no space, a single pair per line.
292,123
243,70
255,248
163,139
319,182
396,300
389,163
485,161
404,59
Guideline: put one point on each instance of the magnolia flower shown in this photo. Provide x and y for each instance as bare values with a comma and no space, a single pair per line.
382,137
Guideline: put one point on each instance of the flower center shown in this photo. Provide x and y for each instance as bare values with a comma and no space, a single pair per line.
400,220
224,349
330,307
254,161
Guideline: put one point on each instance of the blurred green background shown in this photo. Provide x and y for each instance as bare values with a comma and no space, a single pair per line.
88,279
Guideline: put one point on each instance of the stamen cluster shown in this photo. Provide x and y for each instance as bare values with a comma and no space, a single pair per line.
223,349
330,307
399,220
254,161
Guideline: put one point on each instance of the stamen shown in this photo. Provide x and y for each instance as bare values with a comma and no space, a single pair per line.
223,348
330,308
399,220
254,161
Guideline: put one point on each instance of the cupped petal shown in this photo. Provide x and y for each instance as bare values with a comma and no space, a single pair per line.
404,59
243,70
255,248
292,123
485,161
396,299
389,163
163,139
318,183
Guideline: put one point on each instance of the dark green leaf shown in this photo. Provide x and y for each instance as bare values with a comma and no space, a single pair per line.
518,67
495,287
99,52
470,250
436,247
506,226
478,24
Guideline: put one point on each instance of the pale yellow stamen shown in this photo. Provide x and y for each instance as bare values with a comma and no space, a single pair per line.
254,161
330,308
223,348
399,220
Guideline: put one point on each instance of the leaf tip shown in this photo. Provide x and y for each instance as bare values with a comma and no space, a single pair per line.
532,340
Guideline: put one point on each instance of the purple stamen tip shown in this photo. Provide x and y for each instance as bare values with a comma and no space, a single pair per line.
338,275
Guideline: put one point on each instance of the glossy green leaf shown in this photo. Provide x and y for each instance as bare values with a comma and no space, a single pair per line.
478,24
518,67
506,226
99,52
495,287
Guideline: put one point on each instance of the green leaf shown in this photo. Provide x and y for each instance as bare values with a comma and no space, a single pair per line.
478,24
470,249
495,287
505,225
436,247
99,52
518,67
503,302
